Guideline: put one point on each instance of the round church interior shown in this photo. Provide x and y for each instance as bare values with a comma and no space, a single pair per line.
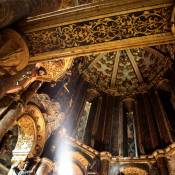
87,87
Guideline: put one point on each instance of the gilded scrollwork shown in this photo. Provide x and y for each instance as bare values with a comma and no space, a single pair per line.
55,69
26,138
135,24
31,136
133,171
38,118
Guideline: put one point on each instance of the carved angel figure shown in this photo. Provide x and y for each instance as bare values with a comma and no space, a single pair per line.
14,54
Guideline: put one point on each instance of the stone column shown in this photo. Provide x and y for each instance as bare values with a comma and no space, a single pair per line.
45,167
105,160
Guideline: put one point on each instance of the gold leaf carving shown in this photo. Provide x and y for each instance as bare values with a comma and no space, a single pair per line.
133,171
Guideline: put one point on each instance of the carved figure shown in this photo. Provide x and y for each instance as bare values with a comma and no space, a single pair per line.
14,54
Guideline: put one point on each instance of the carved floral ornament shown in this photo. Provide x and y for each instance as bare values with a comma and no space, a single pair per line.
55,69
125,26
133,171
31,136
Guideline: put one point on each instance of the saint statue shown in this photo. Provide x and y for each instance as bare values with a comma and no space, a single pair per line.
14,53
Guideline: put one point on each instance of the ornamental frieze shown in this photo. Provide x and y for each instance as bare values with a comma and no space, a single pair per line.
120,27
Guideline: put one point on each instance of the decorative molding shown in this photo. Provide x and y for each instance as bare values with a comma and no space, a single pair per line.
26,138
135,66
31,137
112,31
133,171
166,152
88,12
55,69
115,70
114,28
105,47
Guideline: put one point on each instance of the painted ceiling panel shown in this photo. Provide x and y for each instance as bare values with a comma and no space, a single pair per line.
126,71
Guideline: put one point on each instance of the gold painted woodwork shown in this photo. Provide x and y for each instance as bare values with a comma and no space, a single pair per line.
105,47
127,71
133,171
79,157
88,12
55,69
26,138
43,32
37,116
32,134
166,152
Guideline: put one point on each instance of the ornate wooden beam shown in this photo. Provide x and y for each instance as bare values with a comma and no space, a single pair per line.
115,69
135,66
96,10
88,30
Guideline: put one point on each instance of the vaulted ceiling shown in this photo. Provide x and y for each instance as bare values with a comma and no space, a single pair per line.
126,71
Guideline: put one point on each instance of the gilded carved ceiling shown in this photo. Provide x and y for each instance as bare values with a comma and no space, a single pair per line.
126,71
118,27
55,69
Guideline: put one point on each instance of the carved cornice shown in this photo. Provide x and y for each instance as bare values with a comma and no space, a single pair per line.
108,29
88,12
